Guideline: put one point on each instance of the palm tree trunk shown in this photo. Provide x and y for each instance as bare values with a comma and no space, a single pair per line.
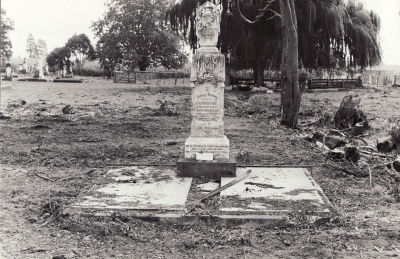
290,96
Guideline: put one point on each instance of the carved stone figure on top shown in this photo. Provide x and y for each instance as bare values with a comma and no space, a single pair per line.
208,25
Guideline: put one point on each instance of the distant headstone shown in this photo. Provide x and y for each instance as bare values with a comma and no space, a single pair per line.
8,70
68,70
64,71
39,70
46,70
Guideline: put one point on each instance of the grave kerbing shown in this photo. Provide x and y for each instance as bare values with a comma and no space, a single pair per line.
208,81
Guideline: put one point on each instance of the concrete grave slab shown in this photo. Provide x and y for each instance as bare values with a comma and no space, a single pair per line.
139,188
274,190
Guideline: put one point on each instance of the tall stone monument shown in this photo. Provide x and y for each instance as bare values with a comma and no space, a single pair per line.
207,148
39,71
8,76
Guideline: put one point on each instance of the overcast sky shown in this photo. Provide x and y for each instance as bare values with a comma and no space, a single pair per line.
54,21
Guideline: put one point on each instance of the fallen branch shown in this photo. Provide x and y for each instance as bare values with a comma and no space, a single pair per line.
307,123
90,171
375,154
370,177
372,149
220,189
392,173
44,177
69,178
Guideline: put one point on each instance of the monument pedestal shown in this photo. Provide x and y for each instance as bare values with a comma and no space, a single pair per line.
213,169
221,165
219,147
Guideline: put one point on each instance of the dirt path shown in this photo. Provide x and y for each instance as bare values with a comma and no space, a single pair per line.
121,123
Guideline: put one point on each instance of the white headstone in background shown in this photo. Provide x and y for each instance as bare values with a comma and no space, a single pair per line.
40,68
8,72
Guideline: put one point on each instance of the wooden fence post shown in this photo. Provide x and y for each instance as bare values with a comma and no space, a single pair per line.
327,83
342,82
176,77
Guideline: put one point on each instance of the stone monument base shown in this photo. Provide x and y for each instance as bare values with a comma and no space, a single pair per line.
68,76
67,80
213,169
32,79
219,147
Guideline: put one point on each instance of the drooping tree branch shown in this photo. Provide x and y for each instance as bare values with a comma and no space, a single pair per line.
258,17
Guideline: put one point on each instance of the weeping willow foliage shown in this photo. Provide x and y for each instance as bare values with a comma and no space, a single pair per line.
331,33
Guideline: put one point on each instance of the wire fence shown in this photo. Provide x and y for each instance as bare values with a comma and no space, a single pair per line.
173,78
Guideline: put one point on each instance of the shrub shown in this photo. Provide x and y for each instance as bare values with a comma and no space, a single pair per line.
88,72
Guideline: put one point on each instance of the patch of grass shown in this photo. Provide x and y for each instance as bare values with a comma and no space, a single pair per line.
388,199
378,191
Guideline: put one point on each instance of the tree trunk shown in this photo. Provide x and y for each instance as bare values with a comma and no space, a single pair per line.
290,96
255,73
143,63
260,74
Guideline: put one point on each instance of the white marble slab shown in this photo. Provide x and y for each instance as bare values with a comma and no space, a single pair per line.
284,184
140,188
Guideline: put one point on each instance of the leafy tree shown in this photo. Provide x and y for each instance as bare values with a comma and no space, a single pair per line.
42,48
36,49
31,46
252,34
110,56
133,33
6,26
259,32
58,57
81,47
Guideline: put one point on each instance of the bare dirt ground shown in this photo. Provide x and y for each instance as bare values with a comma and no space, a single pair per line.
48,158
